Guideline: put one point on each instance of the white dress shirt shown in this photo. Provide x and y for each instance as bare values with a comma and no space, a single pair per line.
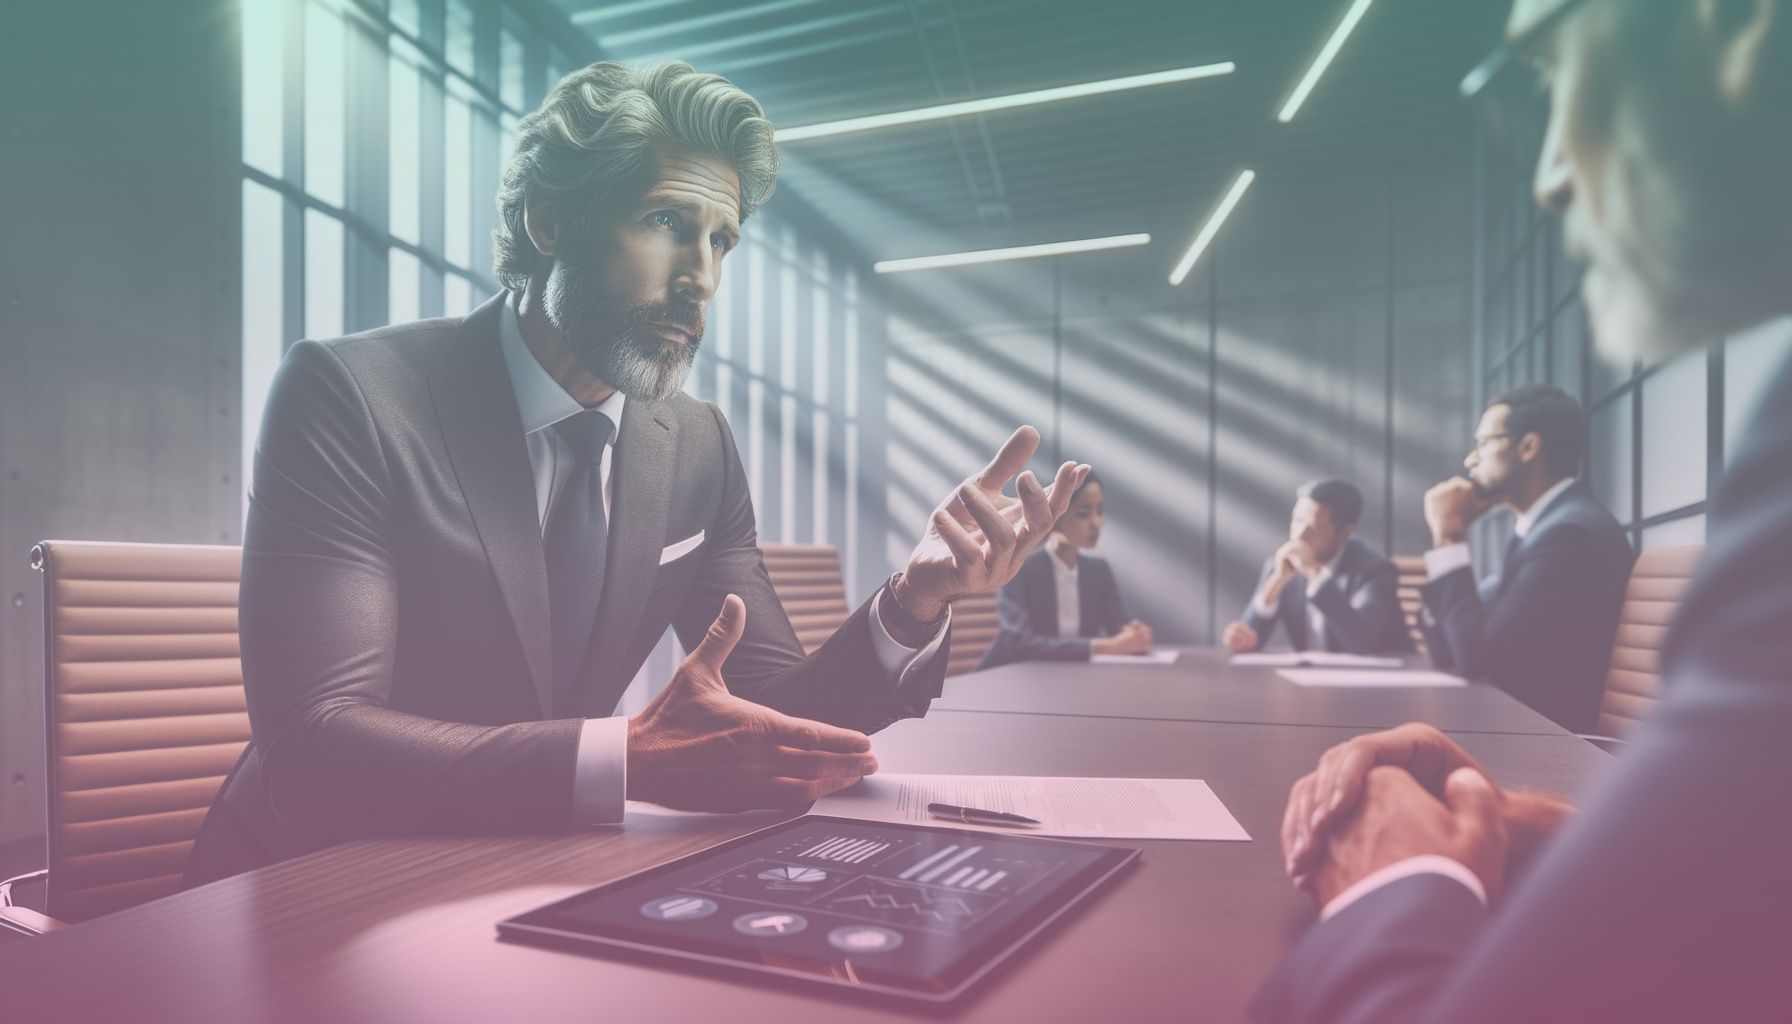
1451,557
600,770
1070,599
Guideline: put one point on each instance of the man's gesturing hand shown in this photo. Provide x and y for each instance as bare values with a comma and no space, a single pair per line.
978,537
698,747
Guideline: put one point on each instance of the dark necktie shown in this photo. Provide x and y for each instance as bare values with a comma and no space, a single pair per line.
575,546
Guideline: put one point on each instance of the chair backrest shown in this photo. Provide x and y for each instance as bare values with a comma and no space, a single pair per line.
1633,683
807,580
974,628
144,701
1410,570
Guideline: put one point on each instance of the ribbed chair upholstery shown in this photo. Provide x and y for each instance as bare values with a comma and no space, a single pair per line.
974,628
1410,570
807,580
1633,684
144,695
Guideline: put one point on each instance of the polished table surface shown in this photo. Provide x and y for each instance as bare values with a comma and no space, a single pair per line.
385,930
1202,687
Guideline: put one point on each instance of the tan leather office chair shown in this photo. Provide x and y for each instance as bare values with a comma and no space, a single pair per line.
808,582
974,628
1633,683
1410,570
144,696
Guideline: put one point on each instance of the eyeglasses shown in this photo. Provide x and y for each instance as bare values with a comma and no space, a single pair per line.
1510,88
1482,442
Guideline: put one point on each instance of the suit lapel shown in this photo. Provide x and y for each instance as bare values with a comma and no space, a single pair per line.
1045,586
1294,611
1085,603
484,434
646,459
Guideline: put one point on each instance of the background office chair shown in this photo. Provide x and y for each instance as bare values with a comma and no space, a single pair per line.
1410,572
143,691
1633,683
808,582
974,628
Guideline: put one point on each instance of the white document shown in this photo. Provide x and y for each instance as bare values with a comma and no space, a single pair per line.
1314,659
1368,677
1167,657
1072,808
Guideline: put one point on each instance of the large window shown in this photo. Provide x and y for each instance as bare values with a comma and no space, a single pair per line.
1659,434
373,137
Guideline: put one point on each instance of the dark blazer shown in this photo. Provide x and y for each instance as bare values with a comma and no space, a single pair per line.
1546,635
1360,602
1665,898
1027,611
394,600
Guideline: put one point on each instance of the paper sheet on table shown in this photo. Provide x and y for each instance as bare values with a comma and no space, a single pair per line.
1072,808
1154,658
1314,659
1368,677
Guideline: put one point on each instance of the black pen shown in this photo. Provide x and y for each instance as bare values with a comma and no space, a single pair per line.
978,816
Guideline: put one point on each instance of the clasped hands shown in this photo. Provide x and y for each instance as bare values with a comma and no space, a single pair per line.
1409,791
699,747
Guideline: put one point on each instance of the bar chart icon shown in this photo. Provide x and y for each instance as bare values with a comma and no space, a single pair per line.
846,849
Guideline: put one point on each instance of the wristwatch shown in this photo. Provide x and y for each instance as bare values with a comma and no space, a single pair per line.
901,619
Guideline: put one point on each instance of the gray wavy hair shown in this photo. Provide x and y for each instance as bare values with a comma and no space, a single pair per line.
595,129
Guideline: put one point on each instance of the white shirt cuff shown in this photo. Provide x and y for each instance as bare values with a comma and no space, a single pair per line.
1268,611
898,661
1427,864
600,772
1448,558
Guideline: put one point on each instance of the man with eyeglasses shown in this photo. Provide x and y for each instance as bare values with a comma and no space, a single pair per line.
1669,154
1542,630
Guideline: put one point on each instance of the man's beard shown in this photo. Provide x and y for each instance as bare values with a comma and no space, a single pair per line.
617,343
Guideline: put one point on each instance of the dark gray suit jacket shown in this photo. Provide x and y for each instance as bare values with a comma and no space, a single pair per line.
1360,602
1665,899
1027,609
1546,635
394,601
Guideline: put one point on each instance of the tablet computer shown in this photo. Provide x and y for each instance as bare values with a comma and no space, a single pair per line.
906,910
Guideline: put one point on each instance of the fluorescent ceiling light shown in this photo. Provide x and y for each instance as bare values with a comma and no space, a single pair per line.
1212,227
1019,99
1019,252
1324,60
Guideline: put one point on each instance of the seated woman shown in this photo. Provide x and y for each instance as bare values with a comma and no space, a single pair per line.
1064,605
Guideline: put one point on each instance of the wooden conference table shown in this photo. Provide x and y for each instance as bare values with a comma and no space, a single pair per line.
389,930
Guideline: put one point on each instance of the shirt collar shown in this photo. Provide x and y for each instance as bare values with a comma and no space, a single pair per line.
1059,568
1528,518
539,397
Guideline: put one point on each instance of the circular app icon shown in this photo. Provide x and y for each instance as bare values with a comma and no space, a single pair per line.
864,938
794,875
678,908
770,922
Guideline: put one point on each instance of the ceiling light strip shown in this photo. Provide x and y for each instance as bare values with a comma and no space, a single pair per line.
1324,60
1212,226
1019,252
1019,99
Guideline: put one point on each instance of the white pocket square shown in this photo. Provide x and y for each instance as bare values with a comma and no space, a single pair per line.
673,552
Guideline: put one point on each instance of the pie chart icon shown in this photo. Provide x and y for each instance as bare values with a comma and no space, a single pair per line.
794,875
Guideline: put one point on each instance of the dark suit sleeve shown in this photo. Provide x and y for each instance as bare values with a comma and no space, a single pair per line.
1361,617
1541,620
1265,625
1022,639
319,625
843,682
